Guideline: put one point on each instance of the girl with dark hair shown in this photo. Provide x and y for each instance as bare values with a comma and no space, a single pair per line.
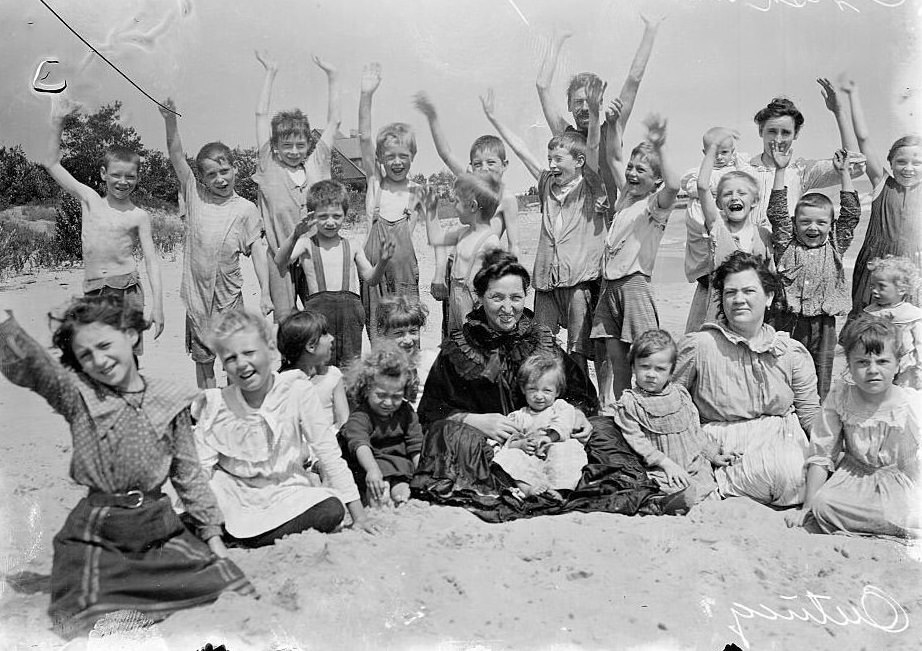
123,546
754,388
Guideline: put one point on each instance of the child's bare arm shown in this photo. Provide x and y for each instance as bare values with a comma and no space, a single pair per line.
340,404
841,113
60,109
263,129
656,136
374,478
429,206
638,65
614,152
552,113
840,160
373,274
594,92
425,106
509,207
174,146
152,264
287,253
515,143
371,79
875,162
260,257
334,101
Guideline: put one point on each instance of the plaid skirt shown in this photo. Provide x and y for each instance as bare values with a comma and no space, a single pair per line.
110,558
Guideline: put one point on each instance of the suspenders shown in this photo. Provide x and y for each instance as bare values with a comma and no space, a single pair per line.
318,265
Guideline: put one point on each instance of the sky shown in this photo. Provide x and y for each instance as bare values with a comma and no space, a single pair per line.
715,62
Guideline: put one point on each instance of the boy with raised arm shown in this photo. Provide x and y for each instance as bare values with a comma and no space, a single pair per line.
290,162
111,225
220,225
573,224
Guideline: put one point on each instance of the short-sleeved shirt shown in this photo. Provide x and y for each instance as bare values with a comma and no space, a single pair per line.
634,237
282,202
572,233
216,234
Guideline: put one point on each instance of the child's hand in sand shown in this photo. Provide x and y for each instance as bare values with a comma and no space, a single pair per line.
795,517
675,474
378,488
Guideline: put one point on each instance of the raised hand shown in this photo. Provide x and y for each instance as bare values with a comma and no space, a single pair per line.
326,66
429,200
424,105
560,36
595,89
829,95
488,102
305,225
169,104
263,56
652,21
613,112
656,129
387,249
840,160
846,84
781,158
371,77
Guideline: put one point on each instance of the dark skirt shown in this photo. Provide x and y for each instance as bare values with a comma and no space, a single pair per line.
456,468
345,319
108,559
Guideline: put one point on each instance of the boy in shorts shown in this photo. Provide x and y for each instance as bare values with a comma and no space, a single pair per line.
220,225
573,209
111,226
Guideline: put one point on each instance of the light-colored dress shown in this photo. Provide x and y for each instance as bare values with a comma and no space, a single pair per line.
757,398
908,319
874,487
665,425
258,456
563,466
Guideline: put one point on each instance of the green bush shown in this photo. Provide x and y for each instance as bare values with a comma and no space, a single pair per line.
168,232
21,246
68,229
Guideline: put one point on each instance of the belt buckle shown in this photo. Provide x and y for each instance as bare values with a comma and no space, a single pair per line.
140,498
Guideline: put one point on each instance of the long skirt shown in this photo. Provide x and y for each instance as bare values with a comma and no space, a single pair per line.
108,559
345,321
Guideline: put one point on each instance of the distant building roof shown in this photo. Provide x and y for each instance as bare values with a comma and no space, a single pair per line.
348,152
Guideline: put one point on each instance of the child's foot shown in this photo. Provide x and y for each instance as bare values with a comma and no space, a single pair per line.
400,493
680,503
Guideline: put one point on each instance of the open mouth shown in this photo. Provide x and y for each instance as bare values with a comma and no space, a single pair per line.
735,206
247,375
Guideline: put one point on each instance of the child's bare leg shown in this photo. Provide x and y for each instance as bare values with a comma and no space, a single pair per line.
620,366
603,374
204,375
400,493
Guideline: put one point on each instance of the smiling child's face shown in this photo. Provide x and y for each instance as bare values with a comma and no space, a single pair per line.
396,159
562,165
293,150
812,225
736,199
219,176
121,178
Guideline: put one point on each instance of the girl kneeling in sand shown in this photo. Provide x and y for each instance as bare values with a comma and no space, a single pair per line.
255,437
122,547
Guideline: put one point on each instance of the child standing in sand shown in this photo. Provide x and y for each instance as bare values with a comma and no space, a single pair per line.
123,546
333,266
391,200
290,163
111,226
698,254
476,201
660,422
543,457
382,439
893,280
808,251
868,439
220,225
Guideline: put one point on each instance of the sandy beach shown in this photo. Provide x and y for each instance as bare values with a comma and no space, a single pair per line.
439,578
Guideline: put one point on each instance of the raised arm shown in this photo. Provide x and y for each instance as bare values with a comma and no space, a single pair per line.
174,146
263,122
638,66
371,79
60,109
425,106
849,206
552,113
286,253
777,212
372,274
841,112
708,204
437,236
656,136
614,151
152,264
515,143
594,92
875,162
334,101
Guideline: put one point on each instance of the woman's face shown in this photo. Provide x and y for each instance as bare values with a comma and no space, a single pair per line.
780,131
503,302
106,354
744,301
